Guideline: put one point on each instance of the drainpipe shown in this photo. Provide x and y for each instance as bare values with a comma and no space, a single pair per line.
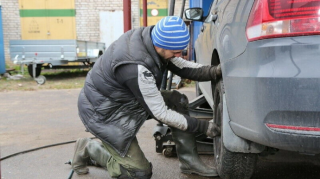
126,15
145,16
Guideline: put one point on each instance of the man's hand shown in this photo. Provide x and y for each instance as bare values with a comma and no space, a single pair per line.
213,130
216,72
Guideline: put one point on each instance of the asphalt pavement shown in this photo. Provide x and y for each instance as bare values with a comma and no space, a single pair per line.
33,119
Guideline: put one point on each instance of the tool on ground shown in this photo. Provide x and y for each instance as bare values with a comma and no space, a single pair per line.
72,171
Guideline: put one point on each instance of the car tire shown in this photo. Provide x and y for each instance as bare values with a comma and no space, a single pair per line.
230,165
38,70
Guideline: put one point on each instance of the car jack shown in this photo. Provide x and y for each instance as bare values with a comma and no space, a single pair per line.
163,135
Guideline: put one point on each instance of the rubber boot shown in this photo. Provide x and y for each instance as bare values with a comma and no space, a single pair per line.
186,149
88,151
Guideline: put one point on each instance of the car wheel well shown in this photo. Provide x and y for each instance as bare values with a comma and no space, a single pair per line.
215,60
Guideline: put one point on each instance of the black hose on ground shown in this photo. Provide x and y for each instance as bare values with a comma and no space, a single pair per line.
71,174
38,148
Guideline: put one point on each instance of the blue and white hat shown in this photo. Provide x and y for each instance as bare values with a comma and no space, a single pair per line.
170,33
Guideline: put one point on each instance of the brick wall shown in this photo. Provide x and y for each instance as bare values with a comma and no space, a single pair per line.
135,13
87,18
10,23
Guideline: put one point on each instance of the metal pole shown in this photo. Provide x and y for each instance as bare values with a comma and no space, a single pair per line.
182,8
165,75
127,15
190,51
171,13
171,7
145,15
164,80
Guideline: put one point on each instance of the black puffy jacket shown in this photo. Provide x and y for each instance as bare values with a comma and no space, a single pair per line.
114,111
107,109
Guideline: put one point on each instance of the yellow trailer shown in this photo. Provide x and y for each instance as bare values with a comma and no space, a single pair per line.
47,19
48,38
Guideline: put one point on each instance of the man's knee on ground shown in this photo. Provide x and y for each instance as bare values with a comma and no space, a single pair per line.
94,146
132,174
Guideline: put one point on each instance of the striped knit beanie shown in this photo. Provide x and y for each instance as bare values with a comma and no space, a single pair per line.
170,33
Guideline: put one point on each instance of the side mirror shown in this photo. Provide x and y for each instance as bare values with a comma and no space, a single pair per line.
195,14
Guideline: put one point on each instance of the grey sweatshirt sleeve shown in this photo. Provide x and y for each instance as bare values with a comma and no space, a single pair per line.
191,70
141,82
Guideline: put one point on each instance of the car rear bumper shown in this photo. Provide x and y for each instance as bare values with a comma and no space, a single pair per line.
273,93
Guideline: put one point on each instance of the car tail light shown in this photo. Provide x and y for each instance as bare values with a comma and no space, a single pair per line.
282,18
298,128
294,129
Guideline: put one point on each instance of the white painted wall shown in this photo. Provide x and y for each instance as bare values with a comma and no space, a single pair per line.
111,26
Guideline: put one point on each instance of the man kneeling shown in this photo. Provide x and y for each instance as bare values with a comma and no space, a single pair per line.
122,91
